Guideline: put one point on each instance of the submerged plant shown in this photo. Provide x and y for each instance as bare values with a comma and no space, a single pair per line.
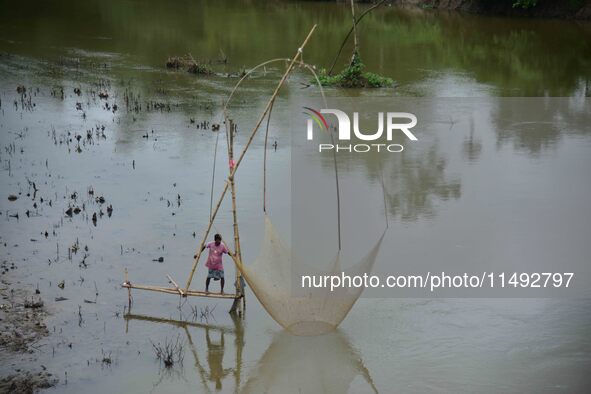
171,352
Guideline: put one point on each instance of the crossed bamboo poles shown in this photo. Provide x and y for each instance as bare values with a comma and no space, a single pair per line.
236,256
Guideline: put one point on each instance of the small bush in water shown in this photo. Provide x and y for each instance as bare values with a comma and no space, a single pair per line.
354,77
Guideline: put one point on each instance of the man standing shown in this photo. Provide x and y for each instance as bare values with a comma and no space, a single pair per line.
214,261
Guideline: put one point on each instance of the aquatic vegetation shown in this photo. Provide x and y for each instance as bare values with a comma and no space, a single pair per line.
197,68
354,76
187,62
171,352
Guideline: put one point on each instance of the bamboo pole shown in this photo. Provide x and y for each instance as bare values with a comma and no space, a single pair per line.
237,164
376,5
175,285
356,48
215,154
230,132
173,290
237,247
128,289
265,161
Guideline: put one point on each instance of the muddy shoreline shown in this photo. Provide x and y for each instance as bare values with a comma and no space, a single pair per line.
22,317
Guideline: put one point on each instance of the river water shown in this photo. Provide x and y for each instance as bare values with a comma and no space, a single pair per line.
151,160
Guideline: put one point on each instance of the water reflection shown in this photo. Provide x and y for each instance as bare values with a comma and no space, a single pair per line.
413,179
321,364
326,363
213,372
215,357
537,124
472,147
428,172
413,183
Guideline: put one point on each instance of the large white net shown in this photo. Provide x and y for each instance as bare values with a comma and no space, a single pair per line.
313,312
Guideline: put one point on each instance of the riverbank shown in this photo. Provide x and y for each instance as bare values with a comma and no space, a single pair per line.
22,315
569,9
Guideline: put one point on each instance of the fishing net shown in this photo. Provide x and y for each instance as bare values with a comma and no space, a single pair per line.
312,312
270,276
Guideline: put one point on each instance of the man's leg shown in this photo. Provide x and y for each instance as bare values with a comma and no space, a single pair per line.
222,284
207,285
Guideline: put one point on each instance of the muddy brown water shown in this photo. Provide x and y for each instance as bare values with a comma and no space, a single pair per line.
385,345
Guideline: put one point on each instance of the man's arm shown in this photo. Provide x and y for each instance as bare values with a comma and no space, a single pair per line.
202,249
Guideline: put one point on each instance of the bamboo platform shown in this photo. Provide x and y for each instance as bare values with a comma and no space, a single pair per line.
177,291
